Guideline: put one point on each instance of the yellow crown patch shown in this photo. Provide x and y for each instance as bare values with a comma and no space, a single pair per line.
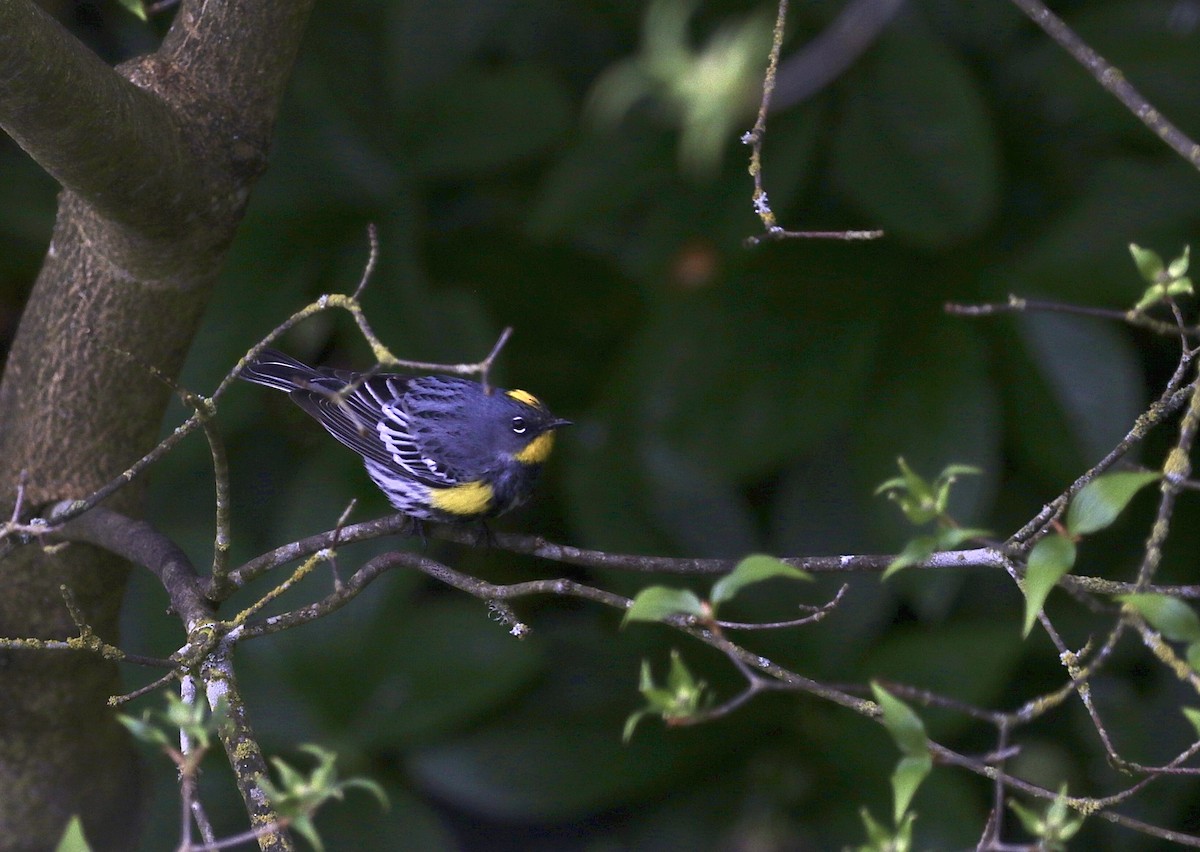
525,397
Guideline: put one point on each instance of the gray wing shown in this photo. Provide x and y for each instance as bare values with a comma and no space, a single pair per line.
372,420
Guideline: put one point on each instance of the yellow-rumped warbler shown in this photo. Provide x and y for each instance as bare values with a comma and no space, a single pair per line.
440,448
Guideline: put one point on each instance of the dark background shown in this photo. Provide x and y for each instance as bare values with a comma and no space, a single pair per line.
727,400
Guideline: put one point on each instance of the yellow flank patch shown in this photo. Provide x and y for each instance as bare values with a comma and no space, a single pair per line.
470,498
537,450
525,397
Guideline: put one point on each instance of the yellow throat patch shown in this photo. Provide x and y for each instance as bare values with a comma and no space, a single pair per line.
537,450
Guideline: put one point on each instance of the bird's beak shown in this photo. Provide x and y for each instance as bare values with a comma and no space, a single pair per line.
558,422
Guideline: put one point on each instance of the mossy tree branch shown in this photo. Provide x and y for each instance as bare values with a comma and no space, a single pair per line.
99,135
157,158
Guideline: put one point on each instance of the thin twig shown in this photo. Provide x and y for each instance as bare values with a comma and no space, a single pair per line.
950,757
757,135
1111,80
818,614
372,260
1177,468
1021,305
153,686
19,502
1171,400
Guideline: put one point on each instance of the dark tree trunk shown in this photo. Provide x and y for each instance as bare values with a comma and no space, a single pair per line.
157,159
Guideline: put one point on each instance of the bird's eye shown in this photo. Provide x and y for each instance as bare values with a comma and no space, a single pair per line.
518,425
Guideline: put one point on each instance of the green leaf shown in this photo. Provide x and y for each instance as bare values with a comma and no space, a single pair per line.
679,698
1156,293
645,678
680,680
631,724
370,786
1148,263
298,796
1171,617
920,500
877,835
906,779
1171,281
1179,266
916,551
1151,296
324,774
1193,716
73,839
953,471
290,778
949,539
1104,498
1031,820
923,502
914,495
1193,656
658,603
903,838
1050,559
135,8
985,659
143,729
704,89
1054,827
753,569
194,719
1069,829
902,723
302,824
880,839
914,483
927,393
946,480
1057,812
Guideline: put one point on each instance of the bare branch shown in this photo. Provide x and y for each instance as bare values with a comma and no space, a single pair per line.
143,545
241,746
1020,304
818,614
755,137
1111,80
372,260
99,135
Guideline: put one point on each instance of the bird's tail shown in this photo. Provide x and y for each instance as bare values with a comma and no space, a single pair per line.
276,370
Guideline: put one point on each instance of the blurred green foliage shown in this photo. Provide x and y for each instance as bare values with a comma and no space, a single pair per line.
727,400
